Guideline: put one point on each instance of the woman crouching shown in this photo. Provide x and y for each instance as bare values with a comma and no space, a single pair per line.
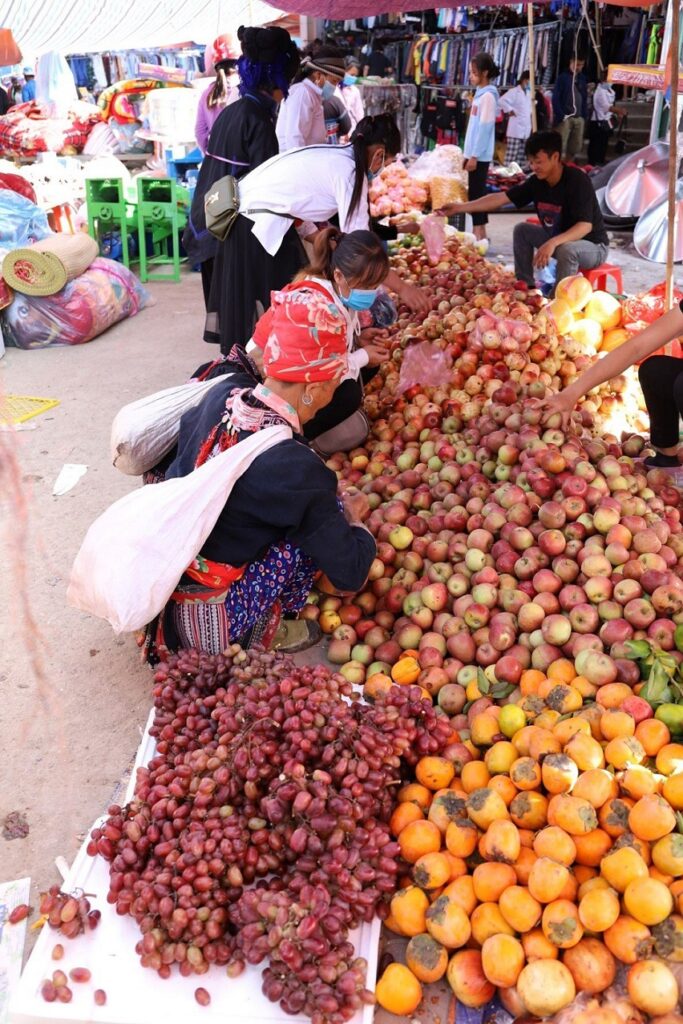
283,524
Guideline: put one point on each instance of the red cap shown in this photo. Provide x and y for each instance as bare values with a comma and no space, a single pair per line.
225,47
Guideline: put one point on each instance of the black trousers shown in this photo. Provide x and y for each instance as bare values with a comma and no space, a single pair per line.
661,378
476,188
207,274
346,399
598,139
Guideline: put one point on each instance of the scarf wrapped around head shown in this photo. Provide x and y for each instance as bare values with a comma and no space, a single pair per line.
306,338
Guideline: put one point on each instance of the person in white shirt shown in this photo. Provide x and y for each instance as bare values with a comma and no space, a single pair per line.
350,93
516,103
600,124
301,121
283,199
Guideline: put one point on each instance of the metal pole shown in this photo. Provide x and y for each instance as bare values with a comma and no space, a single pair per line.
673,151
656,123
532,66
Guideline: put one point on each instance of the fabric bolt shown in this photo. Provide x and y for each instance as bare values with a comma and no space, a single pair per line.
301,121
661,378
480,136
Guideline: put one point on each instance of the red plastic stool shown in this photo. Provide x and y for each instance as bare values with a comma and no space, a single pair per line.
599,275
533,220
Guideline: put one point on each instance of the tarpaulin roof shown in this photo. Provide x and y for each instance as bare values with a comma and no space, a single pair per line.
83,26
341,10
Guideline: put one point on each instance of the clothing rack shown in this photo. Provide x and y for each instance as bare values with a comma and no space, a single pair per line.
99,70
445,59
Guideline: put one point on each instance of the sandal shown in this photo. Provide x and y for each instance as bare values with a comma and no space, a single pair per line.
295,635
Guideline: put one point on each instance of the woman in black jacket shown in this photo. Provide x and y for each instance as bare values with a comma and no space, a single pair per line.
243,136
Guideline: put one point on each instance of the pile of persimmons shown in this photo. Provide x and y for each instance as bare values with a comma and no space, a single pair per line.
547,860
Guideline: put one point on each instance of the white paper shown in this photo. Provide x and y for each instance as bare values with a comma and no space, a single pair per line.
12,938
69,475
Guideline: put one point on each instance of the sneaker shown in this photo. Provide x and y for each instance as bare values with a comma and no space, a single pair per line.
296,635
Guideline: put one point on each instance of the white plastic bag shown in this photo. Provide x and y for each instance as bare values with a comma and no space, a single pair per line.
134,554
145,430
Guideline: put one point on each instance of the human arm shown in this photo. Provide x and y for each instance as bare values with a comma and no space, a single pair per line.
485,204
414,298
611,365
295,120
573,234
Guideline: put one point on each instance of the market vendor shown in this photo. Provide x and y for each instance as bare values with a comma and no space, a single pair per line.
571,231
349,91
264,252
348,269
283,524
243,135
661,378
301,121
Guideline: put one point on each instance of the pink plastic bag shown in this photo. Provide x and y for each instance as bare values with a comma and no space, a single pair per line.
424,364
500,333
433,230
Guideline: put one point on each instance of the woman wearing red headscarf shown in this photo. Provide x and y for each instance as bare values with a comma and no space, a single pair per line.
283,524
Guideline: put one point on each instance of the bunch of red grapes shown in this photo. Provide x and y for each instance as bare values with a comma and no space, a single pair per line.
259,831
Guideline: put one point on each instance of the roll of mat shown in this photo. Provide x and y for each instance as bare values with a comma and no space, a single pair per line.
45,267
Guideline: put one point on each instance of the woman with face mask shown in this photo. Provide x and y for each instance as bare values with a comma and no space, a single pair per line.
347,269
301,121
281,202
516,103
349,91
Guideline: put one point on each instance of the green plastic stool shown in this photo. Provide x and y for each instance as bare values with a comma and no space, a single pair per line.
111,208
162,206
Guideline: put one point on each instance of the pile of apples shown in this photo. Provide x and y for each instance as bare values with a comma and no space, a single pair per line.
504,543
594,319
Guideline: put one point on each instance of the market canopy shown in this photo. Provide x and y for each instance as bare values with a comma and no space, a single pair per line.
75,26
341,10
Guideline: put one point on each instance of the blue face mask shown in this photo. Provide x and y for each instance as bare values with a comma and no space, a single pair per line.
360,298
328,91
350,79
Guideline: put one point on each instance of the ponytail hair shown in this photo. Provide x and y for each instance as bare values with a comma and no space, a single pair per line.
219,89
380,130
358,255
485,64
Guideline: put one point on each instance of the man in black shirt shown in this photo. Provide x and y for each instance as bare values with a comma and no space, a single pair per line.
378,65
571,231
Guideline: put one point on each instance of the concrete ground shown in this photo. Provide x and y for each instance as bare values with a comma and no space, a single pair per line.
74,695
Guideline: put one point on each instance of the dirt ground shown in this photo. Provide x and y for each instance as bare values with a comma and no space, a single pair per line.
68,737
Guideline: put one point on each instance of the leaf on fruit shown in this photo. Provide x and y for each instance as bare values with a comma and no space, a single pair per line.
483,683
679,822
637,649
502,690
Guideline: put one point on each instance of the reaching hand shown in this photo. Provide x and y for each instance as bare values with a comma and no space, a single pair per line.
451,209
544,253
356,506
563,404
377,353
471,164
415,298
